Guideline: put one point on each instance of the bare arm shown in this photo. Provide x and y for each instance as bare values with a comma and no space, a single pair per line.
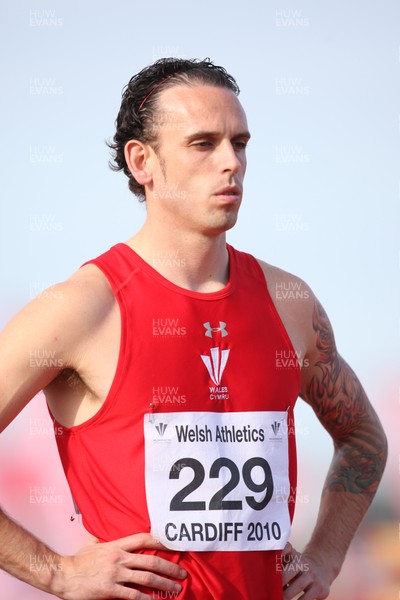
20,552
360,450
97,571
59,326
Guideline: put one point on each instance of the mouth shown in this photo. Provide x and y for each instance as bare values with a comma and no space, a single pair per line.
230,193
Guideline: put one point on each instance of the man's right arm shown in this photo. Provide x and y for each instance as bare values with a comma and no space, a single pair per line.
55,326
97,571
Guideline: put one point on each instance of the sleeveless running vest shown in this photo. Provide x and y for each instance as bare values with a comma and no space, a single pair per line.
195,441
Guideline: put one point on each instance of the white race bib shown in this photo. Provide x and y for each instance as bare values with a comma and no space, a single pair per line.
218,481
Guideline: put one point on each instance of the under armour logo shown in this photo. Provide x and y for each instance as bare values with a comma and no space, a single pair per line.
210,330
275,427
217,366
161,429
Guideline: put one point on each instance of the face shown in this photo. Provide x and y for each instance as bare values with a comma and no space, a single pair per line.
199,166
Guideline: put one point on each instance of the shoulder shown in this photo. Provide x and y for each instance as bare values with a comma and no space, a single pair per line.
285,286
51,334
294,301
66,312
308,326
89,291
86,295
285,289
306,322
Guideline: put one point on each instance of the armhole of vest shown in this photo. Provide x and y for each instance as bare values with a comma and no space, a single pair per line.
117,289
121,362
278,319
252,264
292,449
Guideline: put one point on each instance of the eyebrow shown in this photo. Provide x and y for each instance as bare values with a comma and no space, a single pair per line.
215,134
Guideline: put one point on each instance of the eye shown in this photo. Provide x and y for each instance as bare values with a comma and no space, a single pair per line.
240,145
204,144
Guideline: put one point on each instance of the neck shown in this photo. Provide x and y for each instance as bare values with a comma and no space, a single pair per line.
195,262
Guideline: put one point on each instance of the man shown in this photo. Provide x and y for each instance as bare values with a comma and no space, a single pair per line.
179,370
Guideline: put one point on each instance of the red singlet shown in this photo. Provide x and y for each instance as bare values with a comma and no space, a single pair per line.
195,440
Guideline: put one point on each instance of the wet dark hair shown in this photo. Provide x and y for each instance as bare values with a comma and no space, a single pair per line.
137,117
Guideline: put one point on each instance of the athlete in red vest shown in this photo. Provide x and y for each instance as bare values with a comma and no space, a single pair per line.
180,365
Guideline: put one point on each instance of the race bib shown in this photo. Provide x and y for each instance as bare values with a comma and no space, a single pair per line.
218,481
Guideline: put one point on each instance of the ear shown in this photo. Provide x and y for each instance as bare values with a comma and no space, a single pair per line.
137,156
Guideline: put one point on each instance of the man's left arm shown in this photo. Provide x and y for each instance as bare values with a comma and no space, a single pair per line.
334,392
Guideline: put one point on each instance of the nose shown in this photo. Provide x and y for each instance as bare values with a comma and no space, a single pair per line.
229,158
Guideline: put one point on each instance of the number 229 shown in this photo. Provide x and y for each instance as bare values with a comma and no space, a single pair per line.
217,502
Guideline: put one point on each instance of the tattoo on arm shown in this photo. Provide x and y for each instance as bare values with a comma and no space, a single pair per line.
342,406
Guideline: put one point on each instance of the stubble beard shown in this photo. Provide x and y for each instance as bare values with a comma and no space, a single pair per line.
221,220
